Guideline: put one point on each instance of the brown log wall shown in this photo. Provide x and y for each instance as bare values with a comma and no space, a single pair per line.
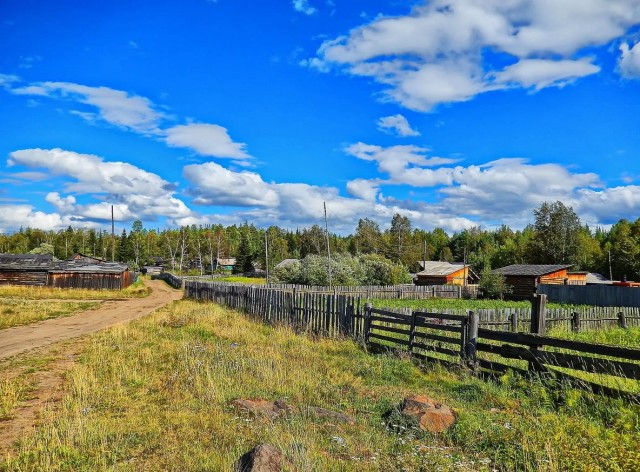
90,281
21,277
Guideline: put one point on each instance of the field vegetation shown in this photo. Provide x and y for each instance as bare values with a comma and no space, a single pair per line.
155,395
18,312
22,292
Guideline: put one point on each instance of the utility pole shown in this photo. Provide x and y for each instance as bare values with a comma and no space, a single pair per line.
610,273
113,237
266,254
326,231
424,254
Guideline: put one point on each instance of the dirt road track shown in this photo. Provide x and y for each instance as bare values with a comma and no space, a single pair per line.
14,341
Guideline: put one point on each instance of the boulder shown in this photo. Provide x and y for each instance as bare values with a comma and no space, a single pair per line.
262,407
323,413
432,416
262,458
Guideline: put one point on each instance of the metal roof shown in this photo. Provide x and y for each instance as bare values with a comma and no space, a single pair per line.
25,261
89,268
440,268
285,262
534,270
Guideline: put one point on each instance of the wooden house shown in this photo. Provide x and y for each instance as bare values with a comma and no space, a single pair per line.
525,278
443,273
225,263
24,269
75,274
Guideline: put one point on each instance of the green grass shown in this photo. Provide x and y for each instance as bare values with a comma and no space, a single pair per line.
155,395
242,280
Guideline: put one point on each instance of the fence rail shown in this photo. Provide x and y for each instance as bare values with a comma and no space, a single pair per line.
459,339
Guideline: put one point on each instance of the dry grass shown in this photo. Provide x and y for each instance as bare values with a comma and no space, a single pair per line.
155,395
49,293
18,312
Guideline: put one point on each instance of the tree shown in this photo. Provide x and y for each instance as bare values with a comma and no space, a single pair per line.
399,233
493,285
244,257
43,248
368,237
556,234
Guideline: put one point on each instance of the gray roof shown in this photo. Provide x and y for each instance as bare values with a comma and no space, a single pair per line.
595,278
439,268
285,262
83,267
535,270
25,261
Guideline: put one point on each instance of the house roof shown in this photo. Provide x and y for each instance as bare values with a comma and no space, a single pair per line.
534,270
438,268
88,268
285,262
595,278
25,261
227,261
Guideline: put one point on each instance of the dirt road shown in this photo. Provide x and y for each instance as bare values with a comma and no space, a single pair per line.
17,340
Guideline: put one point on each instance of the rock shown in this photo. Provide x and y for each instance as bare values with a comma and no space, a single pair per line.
263,407
262,458
432,416
336,416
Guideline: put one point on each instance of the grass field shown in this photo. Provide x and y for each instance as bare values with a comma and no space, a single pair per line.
456,304
155,395
136,289
242,280
18,312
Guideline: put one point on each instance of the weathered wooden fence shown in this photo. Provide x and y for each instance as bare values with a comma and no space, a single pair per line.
409,292
459,340
596,295
175,282
327,314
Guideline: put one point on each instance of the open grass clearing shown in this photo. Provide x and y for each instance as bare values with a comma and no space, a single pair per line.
18,312
154,395
49,293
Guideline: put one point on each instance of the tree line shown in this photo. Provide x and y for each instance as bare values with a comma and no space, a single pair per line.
556,236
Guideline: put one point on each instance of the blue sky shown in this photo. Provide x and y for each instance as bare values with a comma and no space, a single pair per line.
456,113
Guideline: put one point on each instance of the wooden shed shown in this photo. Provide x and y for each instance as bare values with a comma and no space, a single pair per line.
443,273
74,274
525,278
24,269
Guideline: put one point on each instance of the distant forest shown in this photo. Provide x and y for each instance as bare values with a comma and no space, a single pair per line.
555,237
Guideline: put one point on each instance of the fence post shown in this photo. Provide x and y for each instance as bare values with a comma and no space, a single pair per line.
538,326
575,321
471,336
622,320
538,313
513,318
412,331
367,322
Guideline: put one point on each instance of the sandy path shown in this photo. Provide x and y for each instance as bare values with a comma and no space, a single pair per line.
14,341
39,337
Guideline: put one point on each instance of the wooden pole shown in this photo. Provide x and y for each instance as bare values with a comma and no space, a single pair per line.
266,255
113,237
472,339
326,231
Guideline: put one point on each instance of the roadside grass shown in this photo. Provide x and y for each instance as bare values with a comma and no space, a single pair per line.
135,290
155,395
18,312
242,280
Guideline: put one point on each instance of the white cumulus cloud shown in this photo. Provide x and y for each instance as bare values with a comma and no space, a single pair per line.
302,6
448,51
397,124
629,62
206,139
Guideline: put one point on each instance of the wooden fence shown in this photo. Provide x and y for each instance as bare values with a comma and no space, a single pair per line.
459,340
408,292
175,282
596,295
332,315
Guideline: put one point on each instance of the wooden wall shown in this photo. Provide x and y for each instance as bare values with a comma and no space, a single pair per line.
23,277
96,281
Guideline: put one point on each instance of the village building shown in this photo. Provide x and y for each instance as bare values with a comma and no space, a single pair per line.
24,269
76,274
444,273
525,278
